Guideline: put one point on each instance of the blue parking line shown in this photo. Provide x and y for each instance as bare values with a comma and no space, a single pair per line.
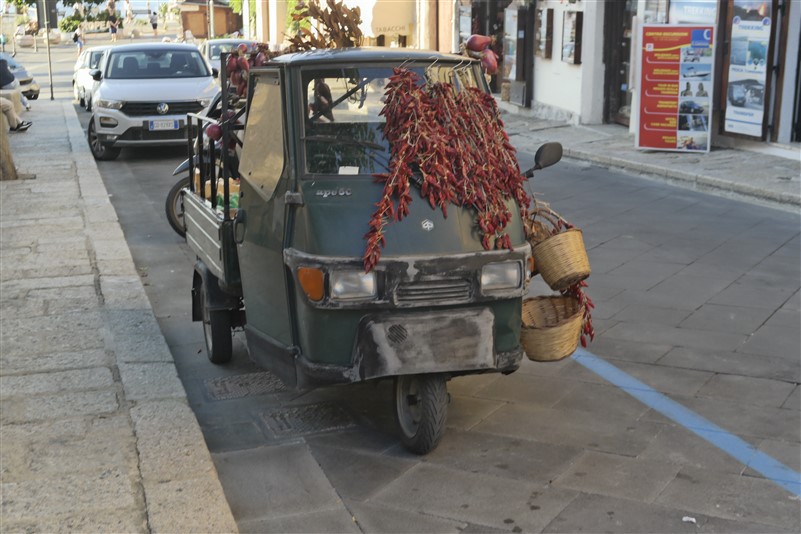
747,454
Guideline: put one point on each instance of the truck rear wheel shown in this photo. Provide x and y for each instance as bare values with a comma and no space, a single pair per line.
174,206
216,331
421,407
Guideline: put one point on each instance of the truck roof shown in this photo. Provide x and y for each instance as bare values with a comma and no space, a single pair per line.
365,55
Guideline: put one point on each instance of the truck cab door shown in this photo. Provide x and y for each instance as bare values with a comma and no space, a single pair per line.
260,226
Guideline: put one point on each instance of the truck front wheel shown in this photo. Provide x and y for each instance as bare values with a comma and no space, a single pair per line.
216,331
421,407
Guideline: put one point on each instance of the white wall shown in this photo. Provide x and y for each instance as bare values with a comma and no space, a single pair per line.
558,85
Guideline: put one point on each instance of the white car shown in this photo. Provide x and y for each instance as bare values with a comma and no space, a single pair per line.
145,92
83,85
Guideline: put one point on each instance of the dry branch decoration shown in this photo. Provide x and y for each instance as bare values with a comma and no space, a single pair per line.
456,141
334,27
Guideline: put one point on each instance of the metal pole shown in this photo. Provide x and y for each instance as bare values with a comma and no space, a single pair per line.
211,19
47,40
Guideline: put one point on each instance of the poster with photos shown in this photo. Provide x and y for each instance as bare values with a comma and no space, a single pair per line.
748,68
677,70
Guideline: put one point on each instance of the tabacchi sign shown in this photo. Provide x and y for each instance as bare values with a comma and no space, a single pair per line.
676,66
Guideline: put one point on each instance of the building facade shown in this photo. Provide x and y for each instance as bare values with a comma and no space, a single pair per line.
577,60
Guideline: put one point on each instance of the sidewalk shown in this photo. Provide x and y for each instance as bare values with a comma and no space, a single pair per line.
96,431
752,176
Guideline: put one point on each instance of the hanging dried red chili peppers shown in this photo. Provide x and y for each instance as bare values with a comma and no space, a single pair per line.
456,141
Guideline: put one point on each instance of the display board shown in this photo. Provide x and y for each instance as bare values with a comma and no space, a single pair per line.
749,66
676,81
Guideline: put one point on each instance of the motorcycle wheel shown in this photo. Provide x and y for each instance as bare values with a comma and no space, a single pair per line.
174,206
421,407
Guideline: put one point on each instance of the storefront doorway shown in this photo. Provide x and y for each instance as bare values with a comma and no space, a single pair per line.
617,56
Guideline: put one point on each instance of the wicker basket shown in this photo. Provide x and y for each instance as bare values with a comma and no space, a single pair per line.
562,259
551,327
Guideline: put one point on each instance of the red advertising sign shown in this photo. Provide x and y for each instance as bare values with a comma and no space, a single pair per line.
677,72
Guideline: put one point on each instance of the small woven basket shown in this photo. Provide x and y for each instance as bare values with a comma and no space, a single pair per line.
551,327
562,259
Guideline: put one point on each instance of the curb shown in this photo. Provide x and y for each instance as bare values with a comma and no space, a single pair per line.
697,182
181,487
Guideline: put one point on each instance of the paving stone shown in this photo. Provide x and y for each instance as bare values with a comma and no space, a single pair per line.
773,341
475,498
466,412
744,420
150,381
556,368
681,337
786,452
602,431
188,505
335,521
469,385
54,382
106,444
764,366
734,319
716,525
678,445
520,388
358,475
617,476
588,397
111,490
123,293
601,513
233,437
504,457
56,333
685,291
169,441
784,319
379,519
651,314
749,390
271,482
619,349
20,363
131,520
48,407
666,379
793,402
733,497
750,295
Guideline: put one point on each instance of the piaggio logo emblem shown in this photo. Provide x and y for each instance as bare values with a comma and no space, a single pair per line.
427,225
162,108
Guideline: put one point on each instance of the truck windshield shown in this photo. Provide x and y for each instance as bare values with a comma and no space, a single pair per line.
344,131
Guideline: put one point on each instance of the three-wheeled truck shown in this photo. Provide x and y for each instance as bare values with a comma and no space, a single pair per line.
286,263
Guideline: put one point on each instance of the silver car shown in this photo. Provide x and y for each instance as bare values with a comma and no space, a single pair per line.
27,85
212,48
83,85
145,92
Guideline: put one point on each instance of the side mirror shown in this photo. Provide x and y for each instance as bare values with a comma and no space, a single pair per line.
96,74
546,155
215,73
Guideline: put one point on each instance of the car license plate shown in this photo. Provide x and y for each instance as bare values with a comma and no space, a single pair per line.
164,125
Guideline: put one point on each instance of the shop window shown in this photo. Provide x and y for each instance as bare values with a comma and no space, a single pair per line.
571,36
543,33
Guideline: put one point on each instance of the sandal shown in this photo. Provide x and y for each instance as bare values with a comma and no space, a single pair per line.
22,126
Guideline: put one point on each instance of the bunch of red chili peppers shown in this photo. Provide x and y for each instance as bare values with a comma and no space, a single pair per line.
456,141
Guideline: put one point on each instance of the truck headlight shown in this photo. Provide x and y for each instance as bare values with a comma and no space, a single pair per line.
108,104
501,276
352,285
205,102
